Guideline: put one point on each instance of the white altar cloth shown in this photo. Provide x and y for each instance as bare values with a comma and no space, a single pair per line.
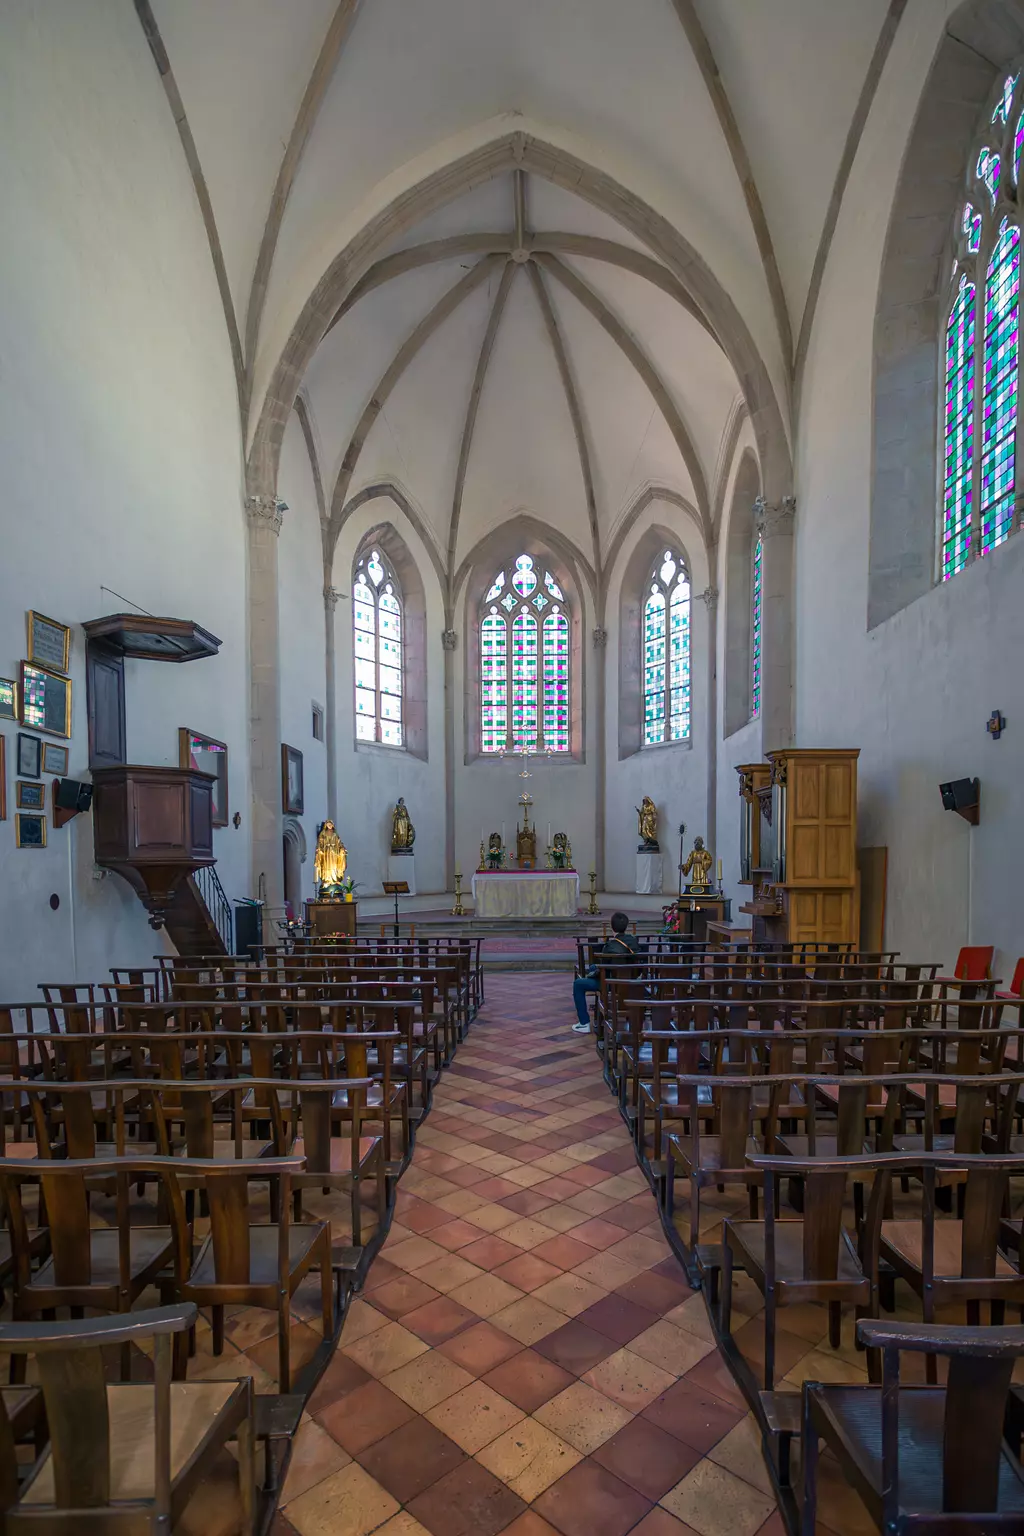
526,893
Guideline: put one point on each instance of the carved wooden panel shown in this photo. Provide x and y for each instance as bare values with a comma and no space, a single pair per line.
158,817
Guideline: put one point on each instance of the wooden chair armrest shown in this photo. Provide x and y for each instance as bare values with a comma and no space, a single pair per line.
939,1339
93,1332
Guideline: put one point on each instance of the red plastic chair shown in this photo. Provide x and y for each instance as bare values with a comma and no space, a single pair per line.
974,963
1017,984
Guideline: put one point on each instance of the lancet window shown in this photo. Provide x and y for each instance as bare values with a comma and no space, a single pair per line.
982,344
377,622
666,652
524,661
756,578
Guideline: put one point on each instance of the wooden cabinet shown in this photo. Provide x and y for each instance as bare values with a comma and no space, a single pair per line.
331,919
799,824
154,826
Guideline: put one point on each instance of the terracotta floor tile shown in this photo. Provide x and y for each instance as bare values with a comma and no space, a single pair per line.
529,1320
716,1503
528,1202
672,1348
349,1503
341,1377
599,1233
470,1501
646,1458
381,1271
526,1232
475,1416
655,1292
713,1375
404,1295
527,1271
620,1319
315,1455
632,1217
563,1251
427,1380
692,1415
642,1251
481,1348
629,1379
489,1252
438,1320
575,1347
465,1177
529,1458
403,1524
455,1235
413,1253
362,1318
610,1273
491,1217
528,1524
497,1188
364,1417
446,1273
528,1380
411,1459
556,1187
304,1344
461,1201
583,1417
740,1452
660,1523
589,1501
421,1217
385,1349
486,1295
561,1218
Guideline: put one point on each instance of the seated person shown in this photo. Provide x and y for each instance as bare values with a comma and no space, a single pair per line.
620,949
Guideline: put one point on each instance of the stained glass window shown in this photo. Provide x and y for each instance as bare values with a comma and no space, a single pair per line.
959,433
755,628
377,642
999,387
524,662
666,652
982,346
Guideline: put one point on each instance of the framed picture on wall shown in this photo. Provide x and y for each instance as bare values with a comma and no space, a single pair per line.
3,778
8,698
45,700
209,756
291,781
49,643
30,796
29,756
55,759
30,830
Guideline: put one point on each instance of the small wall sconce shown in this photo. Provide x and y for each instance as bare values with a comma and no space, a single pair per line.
964,797
236,820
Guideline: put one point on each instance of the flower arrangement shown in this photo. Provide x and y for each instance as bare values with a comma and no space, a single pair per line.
670,918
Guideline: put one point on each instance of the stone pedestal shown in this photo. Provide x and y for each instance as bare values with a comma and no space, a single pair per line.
402,866
648,874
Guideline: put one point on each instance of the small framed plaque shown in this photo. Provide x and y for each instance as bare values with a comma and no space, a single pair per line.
209,756
292,795
8,698
29,756
30,831
49,643
45,700
31,796
3,778
55,759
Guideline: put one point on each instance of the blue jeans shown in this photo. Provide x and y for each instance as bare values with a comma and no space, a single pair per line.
581,987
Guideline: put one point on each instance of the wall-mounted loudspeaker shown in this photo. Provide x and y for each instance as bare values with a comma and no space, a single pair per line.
964,797
70,798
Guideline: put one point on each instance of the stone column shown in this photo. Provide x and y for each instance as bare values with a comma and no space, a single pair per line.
331,595
449,641
264,518
774,521
600,683
709,597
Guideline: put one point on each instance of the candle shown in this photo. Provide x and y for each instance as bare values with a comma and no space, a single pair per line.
549,834
458,873
719,871
503,834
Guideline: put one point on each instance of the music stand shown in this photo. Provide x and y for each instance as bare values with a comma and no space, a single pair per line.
396,888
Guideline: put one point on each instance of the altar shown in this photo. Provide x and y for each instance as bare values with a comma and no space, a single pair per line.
526,893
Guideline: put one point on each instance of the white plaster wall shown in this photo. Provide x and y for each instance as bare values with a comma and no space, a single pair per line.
370,778
301,617
915,693
119,441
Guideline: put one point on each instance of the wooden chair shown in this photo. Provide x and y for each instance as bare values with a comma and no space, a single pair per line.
121,1455
929,1460
338,1162
721,1157
811,1259
242,1263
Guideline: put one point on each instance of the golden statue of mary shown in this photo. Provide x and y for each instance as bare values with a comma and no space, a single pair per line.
330,863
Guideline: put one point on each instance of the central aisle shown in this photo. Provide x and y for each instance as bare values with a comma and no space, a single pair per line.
528,1357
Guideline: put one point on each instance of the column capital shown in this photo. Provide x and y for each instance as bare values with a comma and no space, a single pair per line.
773,517
265,512
331,595
600,638
709,597
449,639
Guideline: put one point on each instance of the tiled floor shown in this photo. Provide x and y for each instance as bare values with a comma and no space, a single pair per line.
527,1357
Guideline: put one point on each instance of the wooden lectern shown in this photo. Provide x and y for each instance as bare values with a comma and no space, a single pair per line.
331,919
798,846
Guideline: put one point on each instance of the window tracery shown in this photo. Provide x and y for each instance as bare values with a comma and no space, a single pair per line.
524,661
666,652
979,422
377,623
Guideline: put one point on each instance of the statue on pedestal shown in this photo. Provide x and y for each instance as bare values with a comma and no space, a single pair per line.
699,863
495,851
647,819
560,852
403,833
330,863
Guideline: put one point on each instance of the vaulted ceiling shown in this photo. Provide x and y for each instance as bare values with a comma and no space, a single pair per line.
518,348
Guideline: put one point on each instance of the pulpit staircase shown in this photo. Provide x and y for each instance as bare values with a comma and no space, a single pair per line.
198,920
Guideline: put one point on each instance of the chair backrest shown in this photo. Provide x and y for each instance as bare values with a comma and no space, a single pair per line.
1017,982
974,962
